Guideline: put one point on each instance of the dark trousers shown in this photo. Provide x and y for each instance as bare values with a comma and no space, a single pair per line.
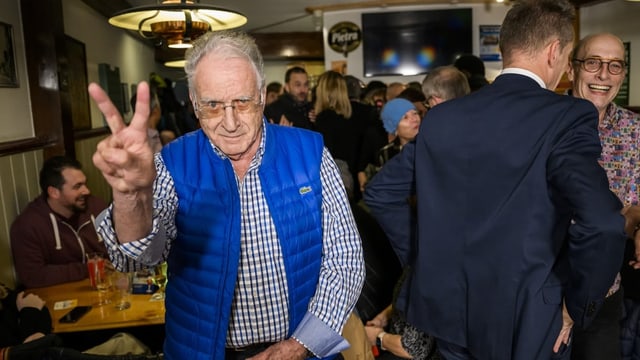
450,351
601,339
454,352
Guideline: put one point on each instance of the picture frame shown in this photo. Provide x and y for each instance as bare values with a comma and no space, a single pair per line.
73,79
8,70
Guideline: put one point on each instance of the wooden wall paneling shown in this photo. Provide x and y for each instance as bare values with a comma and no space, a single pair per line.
18,186
95,181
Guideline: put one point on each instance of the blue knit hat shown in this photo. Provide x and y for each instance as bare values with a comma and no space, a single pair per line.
393,111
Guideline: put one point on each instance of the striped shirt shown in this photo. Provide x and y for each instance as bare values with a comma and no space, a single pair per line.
259,310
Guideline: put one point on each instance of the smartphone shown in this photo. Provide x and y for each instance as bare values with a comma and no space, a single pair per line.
75,314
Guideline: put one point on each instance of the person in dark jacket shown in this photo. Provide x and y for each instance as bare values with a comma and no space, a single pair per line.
52,236
293,108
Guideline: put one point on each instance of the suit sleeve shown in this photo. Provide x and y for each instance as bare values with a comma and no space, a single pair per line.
388,197
596,239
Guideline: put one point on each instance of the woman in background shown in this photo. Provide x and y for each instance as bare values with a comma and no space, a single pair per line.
342,134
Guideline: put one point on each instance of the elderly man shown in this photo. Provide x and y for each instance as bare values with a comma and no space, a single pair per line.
506,182
264,258
597,71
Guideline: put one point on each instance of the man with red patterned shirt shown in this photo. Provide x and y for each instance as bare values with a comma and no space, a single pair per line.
597,71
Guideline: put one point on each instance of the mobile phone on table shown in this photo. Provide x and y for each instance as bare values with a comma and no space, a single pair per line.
75,314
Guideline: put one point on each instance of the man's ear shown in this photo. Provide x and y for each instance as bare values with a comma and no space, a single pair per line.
553,51
570,72
53,192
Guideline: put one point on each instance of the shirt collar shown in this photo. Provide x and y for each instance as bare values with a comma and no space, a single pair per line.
526,73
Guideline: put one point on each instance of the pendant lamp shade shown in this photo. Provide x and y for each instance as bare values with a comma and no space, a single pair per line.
177,21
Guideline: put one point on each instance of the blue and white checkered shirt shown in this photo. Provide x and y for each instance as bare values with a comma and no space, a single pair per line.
259,310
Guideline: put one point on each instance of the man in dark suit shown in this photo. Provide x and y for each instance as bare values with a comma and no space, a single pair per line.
515,218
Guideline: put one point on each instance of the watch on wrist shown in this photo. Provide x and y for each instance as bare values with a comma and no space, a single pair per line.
379,340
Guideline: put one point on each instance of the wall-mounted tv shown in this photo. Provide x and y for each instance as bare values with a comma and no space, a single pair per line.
414,42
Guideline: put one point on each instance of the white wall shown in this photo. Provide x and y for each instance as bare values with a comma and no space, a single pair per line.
621,18
16,121
482,15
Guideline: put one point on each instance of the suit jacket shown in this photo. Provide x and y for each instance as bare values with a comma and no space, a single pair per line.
514,214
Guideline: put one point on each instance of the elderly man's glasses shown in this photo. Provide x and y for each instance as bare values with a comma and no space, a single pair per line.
615,67
215,109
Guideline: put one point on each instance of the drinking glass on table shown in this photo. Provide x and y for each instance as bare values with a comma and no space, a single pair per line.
95,267
122,286
160,278
104,285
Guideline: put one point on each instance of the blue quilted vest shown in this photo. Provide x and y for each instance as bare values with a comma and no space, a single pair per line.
204,258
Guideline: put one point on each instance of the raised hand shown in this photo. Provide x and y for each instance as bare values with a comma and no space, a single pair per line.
125,157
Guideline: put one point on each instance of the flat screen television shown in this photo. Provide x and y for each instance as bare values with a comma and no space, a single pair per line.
414,42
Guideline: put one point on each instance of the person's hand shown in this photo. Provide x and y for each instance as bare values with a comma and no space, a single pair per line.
29,300
362,180
284,121
312,116
125,157
288,349
565,332
632,221
381,319
372,333
34,336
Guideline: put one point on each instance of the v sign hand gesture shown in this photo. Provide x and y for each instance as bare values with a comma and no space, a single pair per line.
126,162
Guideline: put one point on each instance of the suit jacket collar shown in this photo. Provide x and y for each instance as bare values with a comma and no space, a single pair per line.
526,73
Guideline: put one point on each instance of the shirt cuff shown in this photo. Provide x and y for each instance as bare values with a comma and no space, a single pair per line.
146,251
318,337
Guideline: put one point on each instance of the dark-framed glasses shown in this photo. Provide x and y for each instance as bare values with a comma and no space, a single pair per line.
615,67
215,109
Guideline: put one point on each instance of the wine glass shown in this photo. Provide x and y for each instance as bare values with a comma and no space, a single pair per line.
160,279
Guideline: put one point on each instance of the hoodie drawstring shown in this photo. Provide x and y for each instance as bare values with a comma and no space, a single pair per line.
56,232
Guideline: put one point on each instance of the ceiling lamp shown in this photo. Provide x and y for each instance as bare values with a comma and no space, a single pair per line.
178,22
175,63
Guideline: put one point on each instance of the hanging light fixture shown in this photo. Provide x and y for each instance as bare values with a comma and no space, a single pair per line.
178,22
175,63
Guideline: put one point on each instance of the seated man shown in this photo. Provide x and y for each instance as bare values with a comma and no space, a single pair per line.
51,238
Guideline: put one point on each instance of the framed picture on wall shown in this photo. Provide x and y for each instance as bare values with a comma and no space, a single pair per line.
73,79
8,71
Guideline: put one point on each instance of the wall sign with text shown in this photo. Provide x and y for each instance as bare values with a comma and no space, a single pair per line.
489,43
344,37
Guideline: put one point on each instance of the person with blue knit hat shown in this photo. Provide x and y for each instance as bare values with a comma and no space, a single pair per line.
401,120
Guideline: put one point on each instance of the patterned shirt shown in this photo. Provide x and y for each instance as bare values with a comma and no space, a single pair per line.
259,310
620,140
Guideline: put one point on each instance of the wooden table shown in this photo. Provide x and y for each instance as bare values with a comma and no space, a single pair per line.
141,312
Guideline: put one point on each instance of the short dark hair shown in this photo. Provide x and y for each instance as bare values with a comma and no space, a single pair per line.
51,172
274,87
413,95
293,70
530,24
